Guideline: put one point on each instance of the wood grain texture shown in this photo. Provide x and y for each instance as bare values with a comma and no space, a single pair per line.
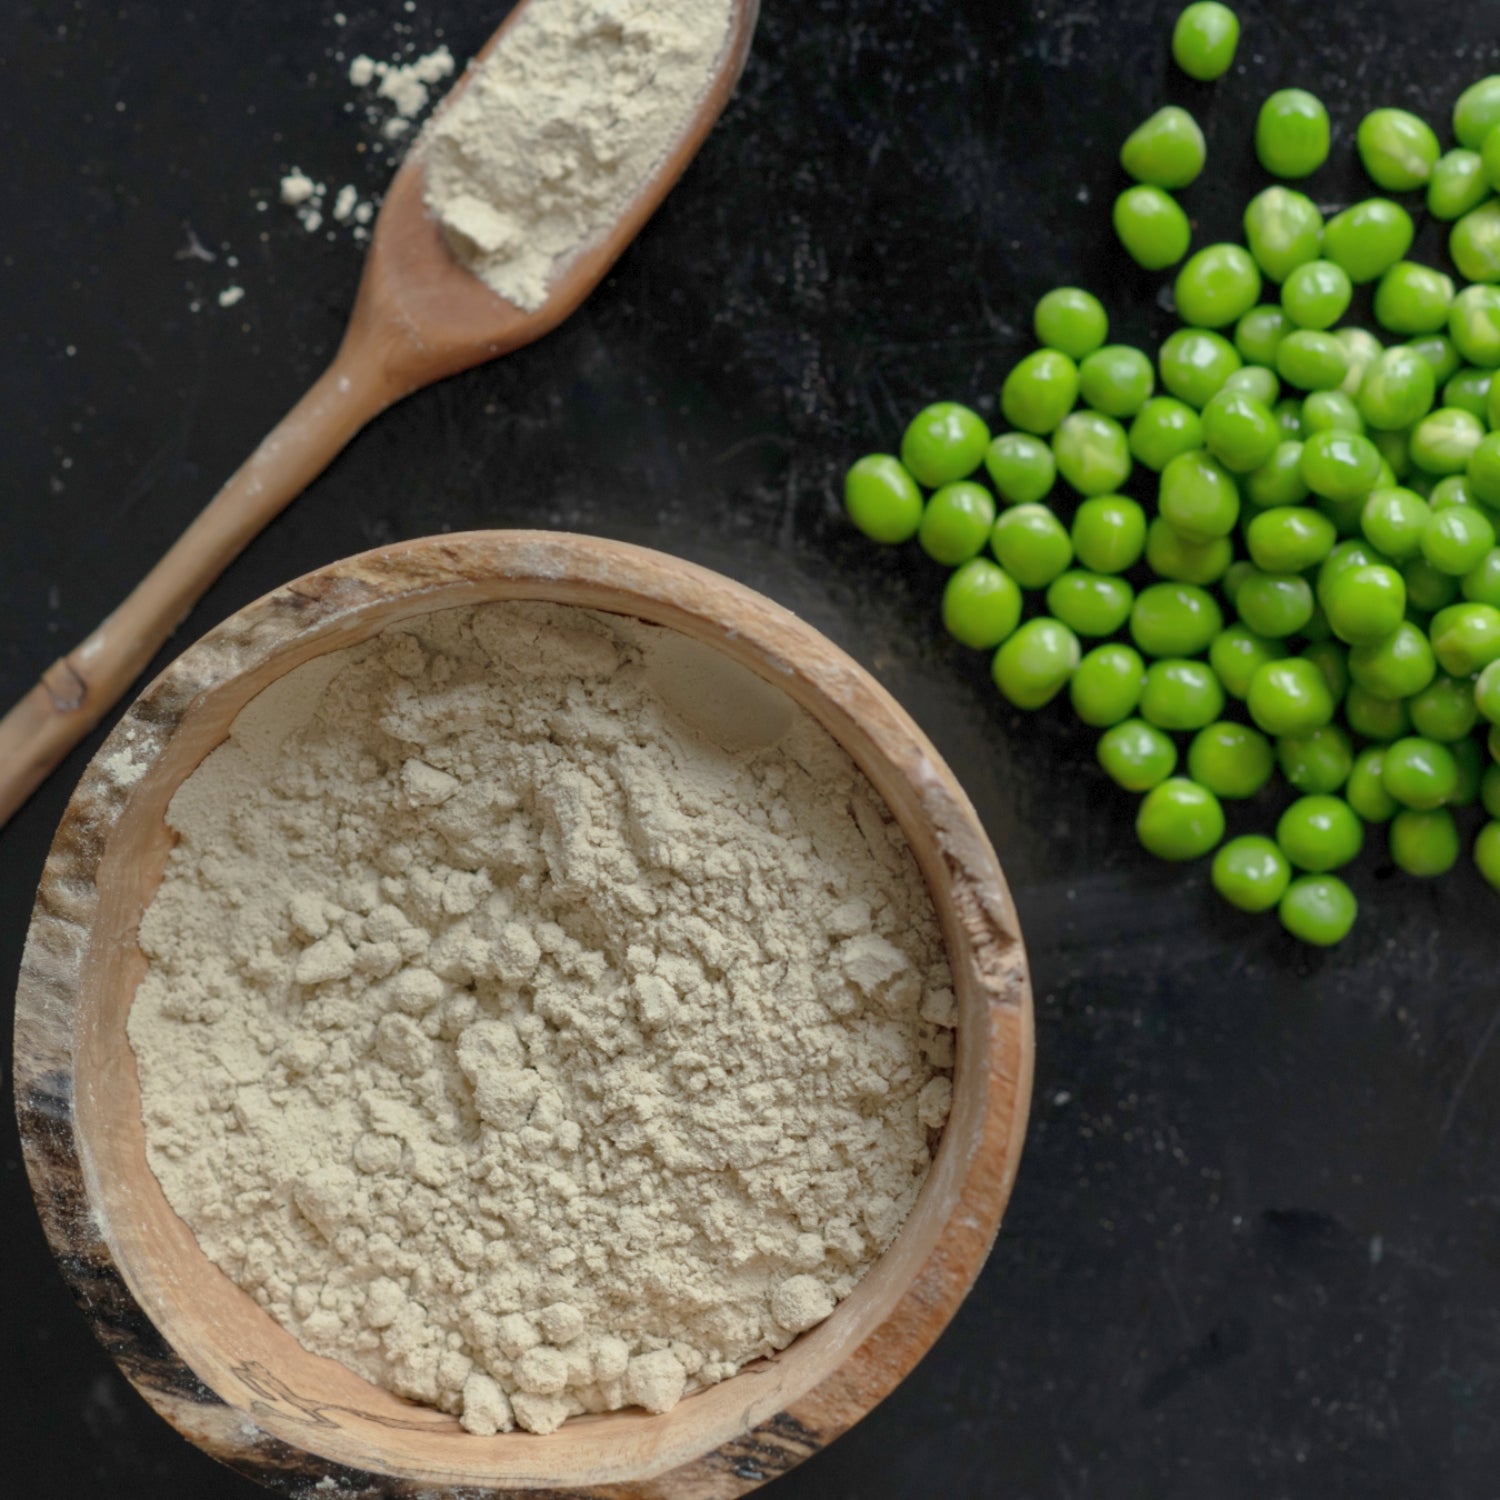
199,1349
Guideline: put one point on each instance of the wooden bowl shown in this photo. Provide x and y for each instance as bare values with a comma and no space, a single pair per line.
198,1348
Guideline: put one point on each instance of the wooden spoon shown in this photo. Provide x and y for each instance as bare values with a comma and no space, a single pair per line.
419,317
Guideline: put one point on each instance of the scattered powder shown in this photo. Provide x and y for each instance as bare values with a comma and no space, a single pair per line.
543,1014
562,127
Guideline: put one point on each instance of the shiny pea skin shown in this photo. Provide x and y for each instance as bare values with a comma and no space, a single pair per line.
1444,440
1136,755
1275,605
956,523
1195,363
1217,286
1175,619
1291,134
1071,321
1179,820
1481,584
1365,605
1393,521
1365,791
1021,467
1239,431
1259,333
1424,842
1437,349
1484,470
1347,555
1465,639
1453,490
1363,349
1106,687
1165,151
1204,39
1092,452
1256,381
1039,392
1474,325
1232,760
1445,710
1171,555
1284,230
1289,539
1456,539
1318,763
1116,380
1312,361
1397,390
1289,697
1251,873
1109,533
1398,149
1340,465
1413,298
1198,497
1375,718
1288,414
1090,604
1163,428
944,442
1469,390
1278,481
1330,411
1031,544
1396,667
1152,227
1368,238
1474,243
1317,295
1457,184
1181,695
882,499
1319,910
1477,112
1320,833
1237,653
1034,665
981,604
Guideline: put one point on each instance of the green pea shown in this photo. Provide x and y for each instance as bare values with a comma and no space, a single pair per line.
1452,490
1195,363
945,442
1181,694
1330,411
1362,349
1393,521
1465,638
1481,584
1484,470
1288,414
1163,428
1109,533
1291,134
1320,833
1021,467
1474,325
1344,557
1340,465
1316,764
1365,605
1289,697
1165,151
1457,184
1275,605
1034,665
1397,149
1175,619
1424,842
1218,285
1259,333
1316,295
1319,910
1419,772
1487,693
1437,349
1254,381
1375,718
1107,685
1072,321
1312,361
1235,655
1031,544
1279,481
1198,498
882,499
1368,238
1397,390
1469,390
1251,873
1171,555
1412,298
1239,431
981,605
1445,710
1204,39
1116,380
1428,590
1284,230
1444,441
1039,392
1365,789
1152,227
1231,760
1179,820
1090,604
956,523
1289,539
1477,111
1474,243
1137,755
1092,452
1456,539
1490,790
1400,665
1487,854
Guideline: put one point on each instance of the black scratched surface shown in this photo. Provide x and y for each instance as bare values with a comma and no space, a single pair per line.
1255,1246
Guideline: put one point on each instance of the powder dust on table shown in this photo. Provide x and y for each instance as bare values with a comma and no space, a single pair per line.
543,1014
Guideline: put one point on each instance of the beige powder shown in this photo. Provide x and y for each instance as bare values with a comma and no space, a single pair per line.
543,1015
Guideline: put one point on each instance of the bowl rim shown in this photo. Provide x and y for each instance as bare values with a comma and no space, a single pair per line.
306,616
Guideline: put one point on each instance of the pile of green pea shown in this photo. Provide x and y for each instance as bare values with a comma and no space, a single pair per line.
1318,591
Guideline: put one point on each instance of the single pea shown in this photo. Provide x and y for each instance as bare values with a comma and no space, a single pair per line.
1330,411
1117,380
1289,697
1419,772
1198,498
1454,489
1365,789
1413,298
1465,637
1469,390
1474,325
1239,431
1021,467
1175,619
1279,481
1487,693
1445,710
1424,842
1179,820
1457,184
1316,295
1437,349
1487,854
1092,452
1393,521
1484,470
1312,361
1071,321
1474,243
1039,392
1362,349
1152,227
1181,694
1398,149
1442,442
1090,604
1109,533
981,604
1365,605
1375,718
1107,685
1368,238
1320,833
1136,755
1481,584
945,442
1165,151
1236,653
1031,544
1489,790
1034,665
1163,428
1397,390
1400,665
882,499
1477,111
1318,763
1284,230
1251,873
1341,465
1259,333
1291,134
1289,539
1204,39
956,523
1319,910
1428,590
1255,381
1218,285
1456,539
1231,760
1275,605
1195,363
1171,555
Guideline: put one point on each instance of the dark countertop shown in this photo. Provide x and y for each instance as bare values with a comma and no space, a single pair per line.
1255,1245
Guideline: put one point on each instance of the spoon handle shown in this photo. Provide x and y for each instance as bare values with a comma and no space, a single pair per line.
76,691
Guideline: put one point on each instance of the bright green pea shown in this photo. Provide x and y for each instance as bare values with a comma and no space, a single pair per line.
1484,470
1090,604
1109,533
956,523
1255,381
1039,392
1179,820
1477,111
981,605
882,499
1320,833
1289,697
1474,325
1445,710
1469,390
1251,873
1316,764
1312,361
1284,230
1397,390
1181,694
1034,665
1136,755
1092,452
1218,285
1340,465
1365,789
1400,665
1481,584
1474,243
1021,467
1443,442
1363,349
1344,557
1393,521
1291,134
1457,184
1330,411
1071,321
1198,498
1487,854
1364,605
1163,428
1031,544
1437,349
1316,295
1397,149
1195,363
1489,790
1165,151
1175,619
1107,685
1368,238
1424,842
1204,39
1231,760
1235,655
1465,637
945,442
1279,481
1419,772
1259,333
1239,431
1375,718
1117,380
1453,489
1171,555
1289,539
1275,605
1456,539
1428,590
1319,910
1413,298
1152,227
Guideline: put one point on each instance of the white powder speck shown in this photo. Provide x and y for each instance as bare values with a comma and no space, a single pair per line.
231,295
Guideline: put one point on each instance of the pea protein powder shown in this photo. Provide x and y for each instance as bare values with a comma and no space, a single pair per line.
543,1014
